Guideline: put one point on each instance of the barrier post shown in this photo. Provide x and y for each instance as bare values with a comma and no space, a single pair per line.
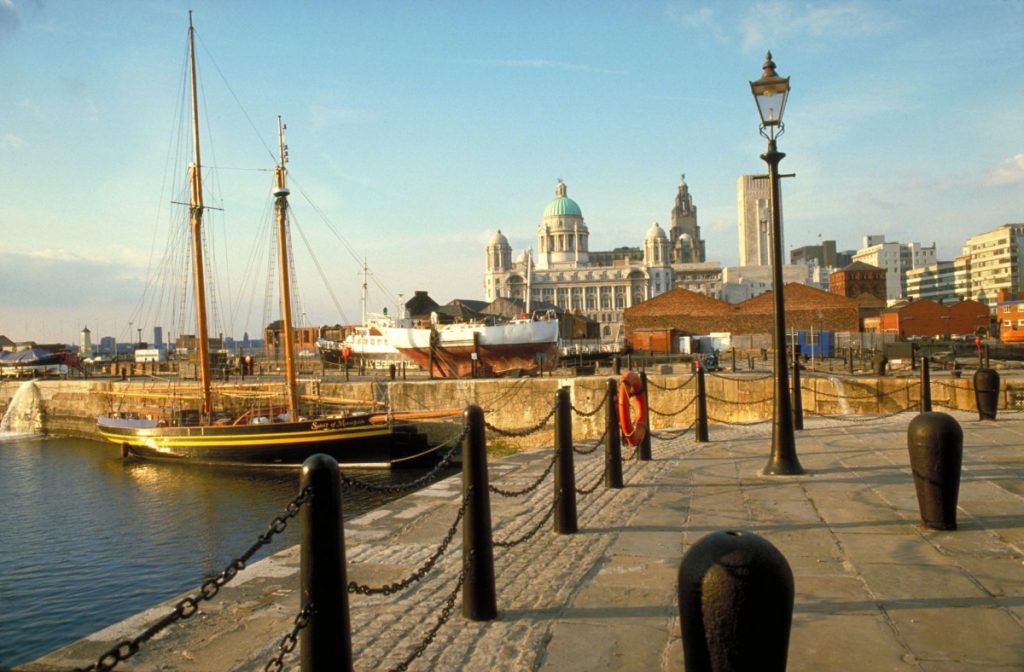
612,441
565,474
643,452
926,387
935,442
326,641
479,602
735,593
701,432
798,397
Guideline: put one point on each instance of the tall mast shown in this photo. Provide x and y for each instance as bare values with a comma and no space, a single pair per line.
287,334
365,271
196,220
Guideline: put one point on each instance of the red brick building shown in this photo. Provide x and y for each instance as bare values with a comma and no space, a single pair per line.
925,317
858,278
689,313
303,337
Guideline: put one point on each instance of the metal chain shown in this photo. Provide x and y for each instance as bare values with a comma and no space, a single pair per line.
855,418
720,400
657,412
636,449
446,613
673,433
652,383
739,424
430,476
525,431
597,444
291,640
189,606
389,589
587,414
530,488
587,491
718,375
532,532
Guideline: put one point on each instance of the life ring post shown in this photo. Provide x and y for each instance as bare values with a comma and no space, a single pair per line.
701,431
644,452
612,442
632,408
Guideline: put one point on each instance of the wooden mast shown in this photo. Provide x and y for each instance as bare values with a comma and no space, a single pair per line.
287,334
196,220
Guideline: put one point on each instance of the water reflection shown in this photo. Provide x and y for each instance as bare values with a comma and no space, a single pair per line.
89,539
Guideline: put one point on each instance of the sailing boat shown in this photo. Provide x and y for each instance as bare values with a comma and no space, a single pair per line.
250,438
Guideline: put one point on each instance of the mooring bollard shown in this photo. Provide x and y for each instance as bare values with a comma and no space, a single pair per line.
798,397
326,641
926,387
565,471
701,428
849,365
643,451
612,441
735,604
391,371
878,364
986,393
936,445
479,602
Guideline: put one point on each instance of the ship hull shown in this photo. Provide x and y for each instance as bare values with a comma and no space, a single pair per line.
516,348
353,441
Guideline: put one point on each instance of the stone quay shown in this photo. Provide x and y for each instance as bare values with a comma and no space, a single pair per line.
874,589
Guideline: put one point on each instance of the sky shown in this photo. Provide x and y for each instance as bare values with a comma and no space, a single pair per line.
415,130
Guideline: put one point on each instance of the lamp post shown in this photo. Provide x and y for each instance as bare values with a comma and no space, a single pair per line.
770,93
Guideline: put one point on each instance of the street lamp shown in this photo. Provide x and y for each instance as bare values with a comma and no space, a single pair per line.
770,93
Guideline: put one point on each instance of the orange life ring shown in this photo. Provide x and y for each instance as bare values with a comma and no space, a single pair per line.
632,402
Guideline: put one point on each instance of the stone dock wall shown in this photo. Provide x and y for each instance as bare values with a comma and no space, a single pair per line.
70,407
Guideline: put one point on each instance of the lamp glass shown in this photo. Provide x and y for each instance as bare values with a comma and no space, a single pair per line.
771,94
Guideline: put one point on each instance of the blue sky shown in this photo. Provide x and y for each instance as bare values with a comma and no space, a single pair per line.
417,129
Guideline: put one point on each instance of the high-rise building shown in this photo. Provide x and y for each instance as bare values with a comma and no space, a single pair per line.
896,258
753,197
991,262
934,281
85,343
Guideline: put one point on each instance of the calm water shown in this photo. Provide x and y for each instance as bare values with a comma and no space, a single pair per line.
87,540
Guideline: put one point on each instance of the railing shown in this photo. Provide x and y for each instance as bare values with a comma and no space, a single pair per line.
321,627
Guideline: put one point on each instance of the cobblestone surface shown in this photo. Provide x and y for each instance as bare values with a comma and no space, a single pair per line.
874,590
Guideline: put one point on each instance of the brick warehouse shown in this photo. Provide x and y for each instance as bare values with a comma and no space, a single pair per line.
690,313
925,317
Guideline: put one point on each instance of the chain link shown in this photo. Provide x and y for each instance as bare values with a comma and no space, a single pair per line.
291,640
657,412
533,531
446,613
738,424
720,400
597,444
587,414
189,606
587,491
718,375
429,477
389,589
525,431
530,488
655,385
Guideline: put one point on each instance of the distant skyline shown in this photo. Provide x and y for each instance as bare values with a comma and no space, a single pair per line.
418,129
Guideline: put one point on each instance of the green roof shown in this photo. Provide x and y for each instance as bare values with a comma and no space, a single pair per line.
563,206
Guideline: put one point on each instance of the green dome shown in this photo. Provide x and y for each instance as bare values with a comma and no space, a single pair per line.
562,206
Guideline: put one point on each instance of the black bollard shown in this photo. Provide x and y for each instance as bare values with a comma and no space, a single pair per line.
734,360
878,364
849,364
565,472
478,592
643,452
612,442
987,366
926,387
391,371
798,397
326,641
986,393
617,365
936,445
735,604
701,428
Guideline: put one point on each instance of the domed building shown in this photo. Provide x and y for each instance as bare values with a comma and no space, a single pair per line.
600,285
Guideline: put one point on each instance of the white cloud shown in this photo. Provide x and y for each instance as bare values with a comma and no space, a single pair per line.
782,21
11,141
1010,171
